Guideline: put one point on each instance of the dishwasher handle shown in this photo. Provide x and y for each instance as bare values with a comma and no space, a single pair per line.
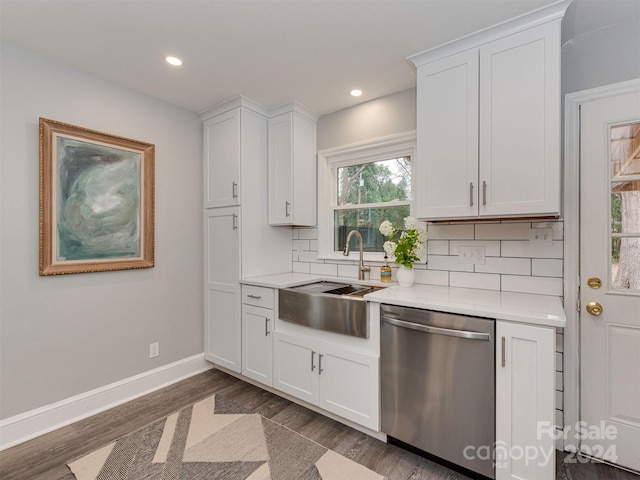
437,330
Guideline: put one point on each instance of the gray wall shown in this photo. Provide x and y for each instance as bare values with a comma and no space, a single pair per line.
602,57
377,118
65,335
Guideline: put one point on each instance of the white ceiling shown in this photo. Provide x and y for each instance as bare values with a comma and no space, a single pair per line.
272,51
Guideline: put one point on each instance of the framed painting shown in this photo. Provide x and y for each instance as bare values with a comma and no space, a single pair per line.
96,201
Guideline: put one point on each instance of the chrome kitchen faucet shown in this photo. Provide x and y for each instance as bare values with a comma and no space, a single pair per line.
345,252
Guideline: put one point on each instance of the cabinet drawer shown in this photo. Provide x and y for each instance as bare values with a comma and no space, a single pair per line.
258,296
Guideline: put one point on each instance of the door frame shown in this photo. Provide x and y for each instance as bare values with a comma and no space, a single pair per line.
571,217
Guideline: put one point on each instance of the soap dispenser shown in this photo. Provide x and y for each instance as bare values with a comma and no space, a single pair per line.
385,271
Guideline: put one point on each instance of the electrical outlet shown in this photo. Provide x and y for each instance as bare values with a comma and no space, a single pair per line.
540,237
154,350
471,255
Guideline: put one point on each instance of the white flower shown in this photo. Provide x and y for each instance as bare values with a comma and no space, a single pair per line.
410,223
386,228
389,247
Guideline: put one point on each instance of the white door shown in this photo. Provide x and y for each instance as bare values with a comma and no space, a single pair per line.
222,288
295,366
610,256
447,145
222,160
280,169
520,123
257,344
524,400
349,384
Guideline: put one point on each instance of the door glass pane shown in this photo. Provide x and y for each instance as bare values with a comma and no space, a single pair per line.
367,221
375,182
625,263
625,207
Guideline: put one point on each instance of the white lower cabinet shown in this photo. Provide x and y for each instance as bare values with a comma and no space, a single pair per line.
525,370
341,381
257,345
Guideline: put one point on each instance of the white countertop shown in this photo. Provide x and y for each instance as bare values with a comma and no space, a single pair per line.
544,310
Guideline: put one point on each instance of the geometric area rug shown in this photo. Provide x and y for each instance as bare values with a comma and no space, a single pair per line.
215,439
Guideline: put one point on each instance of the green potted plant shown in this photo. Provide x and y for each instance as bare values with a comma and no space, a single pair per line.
406,246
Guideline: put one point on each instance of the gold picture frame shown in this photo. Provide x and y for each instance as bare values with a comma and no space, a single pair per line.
97,195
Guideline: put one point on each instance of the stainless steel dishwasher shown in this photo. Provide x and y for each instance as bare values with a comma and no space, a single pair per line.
438,385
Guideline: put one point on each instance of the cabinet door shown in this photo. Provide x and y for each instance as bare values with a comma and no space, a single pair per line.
295,369
257,344
447,140
222,160
349,385
520,123
222,267
525,364
281,170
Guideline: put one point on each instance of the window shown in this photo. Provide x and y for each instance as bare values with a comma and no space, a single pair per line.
362,185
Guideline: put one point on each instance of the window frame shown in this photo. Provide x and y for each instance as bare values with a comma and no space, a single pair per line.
329,160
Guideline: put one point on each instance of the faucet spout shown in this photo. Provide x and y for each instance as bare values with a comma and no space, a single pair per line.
345,252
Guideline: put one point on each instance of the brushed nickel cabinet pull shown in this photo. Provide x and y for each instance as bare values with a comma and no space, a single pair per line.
313,367
286,209
471,194
251,295
484,192
235,221
234,189
503,351
320,370
266,326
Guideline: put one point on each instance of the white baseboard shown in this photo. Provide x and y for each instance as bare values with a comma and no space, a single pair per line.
31,424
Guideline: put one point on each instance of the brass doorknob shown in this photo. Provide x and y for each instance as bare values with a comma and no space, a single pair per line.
594,308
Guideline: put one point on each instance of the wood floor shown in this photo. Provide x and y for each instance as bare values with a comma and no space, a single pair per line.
45,457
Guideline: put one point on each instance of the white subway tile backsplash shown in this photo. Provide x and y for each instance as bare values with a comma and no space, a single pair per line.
348,271
311,257
503,231
559,342
313,245
447,262
559,364
308,233
558,382
432,277
450,232
484,281
301,267
491,248
546,267
528,284
324,269
301,245
512,266
438,247
524,249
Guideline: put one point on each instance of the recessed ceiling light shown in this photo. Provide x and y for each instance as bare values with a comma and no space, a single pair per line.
176,62
356,92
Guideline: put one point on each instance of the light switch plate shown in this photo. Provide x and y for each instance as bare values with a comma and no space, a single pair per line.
540,237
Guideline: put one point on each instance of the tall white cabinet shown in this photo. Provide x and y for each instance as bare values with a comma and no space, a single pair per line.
238,241
488,122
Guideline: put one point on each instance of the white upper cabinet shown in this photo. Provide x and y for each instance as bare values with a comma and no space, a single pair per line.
447,145
292,167
520,123
488,122
222,160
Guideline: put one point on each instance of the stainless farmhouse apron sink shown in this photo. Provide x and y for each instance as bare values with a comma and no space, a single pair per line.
334,307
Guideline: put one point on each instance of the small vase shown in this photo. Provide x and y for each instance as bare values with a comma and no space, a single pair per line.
406,276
